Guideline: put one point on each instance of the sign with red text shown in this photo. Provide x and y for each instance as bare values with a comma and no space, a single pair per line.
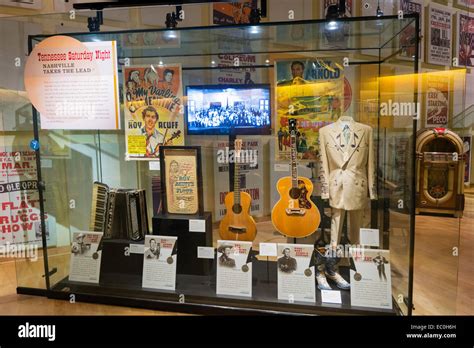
73,84
437,99
19,200
439,34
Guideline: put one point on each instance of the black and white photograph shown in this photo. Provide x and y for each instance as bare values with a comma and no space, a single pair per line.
287,263
152,251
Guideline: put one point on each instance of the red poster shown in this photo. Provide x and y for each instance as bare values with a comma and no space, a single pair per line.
437,100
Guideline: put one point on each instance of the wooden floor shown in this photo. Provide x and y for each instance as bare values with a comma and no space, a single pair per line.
444,279
444,283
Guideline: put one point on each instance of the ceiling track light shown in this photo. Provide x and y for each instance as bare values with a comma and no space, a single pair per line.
94,23
172,18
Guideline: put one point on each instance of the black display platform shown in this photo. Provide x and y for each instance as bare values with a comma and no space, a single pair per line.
188,242
117,258
197,294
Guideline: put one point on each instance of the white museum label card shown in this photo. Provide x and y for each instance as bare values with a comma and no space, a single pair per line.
369,237
234,268
85,257
331,296
268,249
296,273
281,167
159,262
154,165
136,249
197,225
73,84
371,284
205,253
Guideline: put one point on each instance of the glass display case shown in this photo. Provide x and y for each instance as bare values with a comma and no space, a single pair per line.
295,119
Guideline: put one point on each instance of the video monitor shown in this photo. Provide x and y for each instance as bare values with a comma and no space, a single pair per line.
228,109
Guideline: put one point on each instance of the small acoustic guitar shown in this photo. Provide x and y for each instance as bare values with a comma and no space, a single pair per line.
295,215
237,224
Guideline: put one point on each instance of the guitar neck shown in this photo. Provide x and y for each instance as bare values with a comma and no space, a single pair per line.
294,164
236,183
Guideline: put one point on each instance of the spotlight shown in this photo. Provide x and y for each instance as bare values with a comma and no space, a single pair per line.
170,35
332,25
172,18
335,31
254,30
379,12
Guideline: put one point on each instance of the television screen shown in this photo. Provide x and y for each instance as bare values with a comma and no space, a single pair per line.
236,109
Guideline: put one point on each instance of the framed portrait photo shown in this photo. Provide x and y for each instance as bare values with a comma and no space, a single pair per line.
181,178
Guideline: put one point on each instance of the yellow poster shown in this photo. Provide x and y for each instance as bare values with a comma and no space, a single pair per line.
154,112
312,92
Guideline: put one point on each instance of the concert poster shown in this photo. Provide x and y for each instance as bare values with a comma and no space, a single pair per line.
154,111
437,99
312,91
19,200
439,34
465,40
407,35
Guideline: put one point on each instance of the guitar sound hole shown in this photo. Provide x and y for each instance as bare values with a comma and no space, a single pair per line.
295,193
237,208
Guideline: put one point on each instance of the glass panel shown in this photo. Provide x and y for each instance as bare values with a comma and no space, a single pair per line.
19,212
224,55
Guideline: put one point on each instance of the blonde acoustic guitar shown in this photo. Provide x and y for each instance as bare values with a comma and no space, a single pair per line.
295,215
238,224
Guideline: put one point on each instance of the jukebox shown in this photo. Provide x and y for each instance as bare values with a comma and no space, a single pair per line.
440,172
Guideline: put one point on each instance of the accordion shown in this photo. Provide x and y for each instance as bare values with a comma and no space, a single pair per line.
119,213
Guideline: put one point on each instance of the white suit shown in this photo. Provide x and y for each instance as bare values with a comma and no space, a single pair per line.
347,173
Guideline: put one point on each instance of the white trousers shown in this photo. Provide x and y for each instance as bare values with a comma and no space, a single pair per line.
354,223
